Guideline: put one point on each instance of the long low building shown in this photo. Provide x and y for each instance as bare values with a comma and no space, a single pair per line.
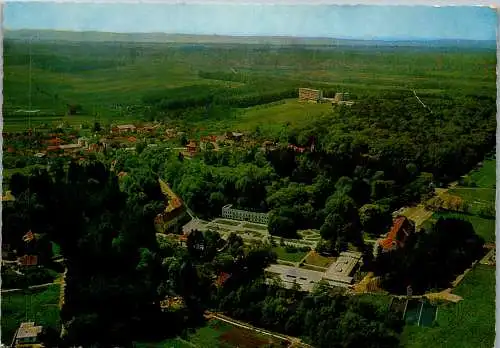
339,274
289,275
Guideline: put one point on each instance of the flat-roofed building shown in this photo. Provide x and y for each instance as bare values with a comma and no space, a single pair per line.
289,275
339,274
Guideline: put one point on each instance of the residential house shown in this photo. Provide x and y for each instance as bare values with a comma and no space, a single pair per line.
70,147
296,148
235,136
124,128
27,336
174,212
192,147
28,260
170,133
401,229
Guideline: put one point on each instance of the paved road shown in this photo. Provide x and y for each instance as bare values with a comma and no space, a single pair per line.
39,286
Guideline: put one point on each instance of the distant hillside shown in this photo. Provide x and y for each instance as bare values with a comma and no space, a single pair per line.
94,36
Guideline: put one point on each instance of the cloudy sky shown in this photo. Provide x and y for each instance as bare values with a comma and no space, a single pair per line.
359,22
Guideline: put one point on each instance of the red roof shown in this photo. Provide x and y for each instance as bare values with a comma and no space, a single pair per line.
392,236
28,260
222,278
296,148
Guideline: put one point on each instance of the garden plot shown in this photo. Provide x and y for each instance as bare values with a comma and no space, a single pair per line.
252,232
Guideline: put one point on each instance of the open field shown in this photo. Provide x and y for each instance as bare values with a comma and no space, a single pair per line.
418,214
478,195
42,306
467,324
482,195
270,118
105,77
217,334
483,227
485,176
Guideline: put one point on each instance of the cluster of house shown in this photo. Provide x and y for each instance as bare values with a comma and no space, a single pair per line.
130,128
193,146
56,145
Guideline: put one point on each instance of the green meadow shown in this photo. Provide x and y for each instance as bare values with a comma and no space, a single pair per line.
105,77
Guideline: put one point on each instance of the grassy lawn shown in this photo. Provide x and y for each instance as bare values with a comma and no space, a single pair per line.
316,259
379,300
227,222
56,249
274,116
256,227
286,256
467,324
477,194
253,233
483,227
43,310
170,343
486,175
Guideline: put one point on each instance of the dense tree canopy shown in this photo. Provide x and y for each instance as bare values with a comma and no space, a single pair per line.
431,259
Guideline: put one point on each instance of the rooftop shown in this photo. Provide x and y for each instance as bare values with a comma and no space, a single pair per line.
392,236
338,274
28,330
70,146
126,126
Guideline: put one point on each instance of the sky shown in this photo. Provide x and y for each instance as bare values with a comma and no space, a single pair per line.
354,22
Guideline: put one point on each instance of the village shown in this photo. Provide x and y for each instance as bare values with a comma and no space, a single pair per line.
77,141
177,221
207,190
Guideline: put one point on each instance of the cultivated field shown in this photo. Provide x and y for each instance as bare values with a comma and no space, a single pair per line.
218,334
467,324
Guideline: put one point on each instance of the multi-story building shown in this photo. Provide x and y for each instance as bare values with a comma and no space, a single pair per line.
308,94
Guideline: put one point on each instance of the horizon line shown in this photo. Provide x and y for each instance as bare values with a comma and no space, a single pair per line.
374,38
